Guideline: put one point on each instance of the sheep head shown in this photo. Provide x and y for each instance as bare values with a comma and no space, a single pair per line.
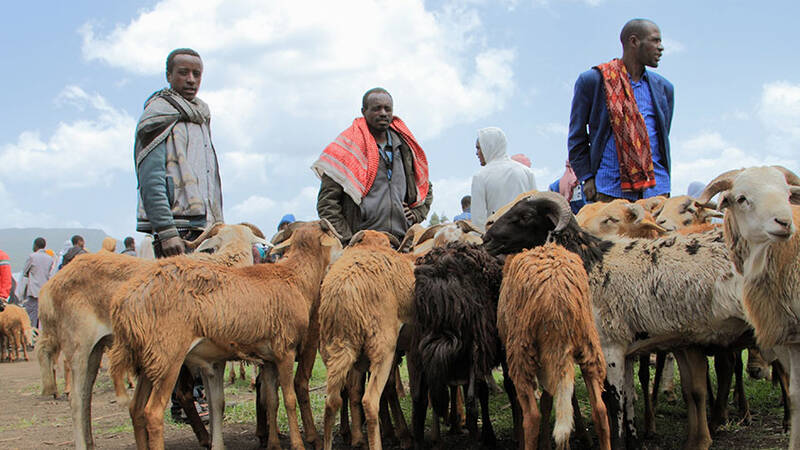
373,238
758,199
229,237
683,211
529,223
652,205
618,217
301,237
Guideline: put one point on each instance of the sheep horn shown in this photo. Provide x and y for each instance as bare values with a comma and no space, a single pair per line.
429,233
327,226
256,231
210,230
722,182
466,226
564,213
407,242
791,178
393,240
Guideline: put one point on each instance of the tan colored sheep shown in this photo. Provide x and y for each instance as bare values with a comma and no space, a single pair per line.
544,317
75,313
181,310
15,329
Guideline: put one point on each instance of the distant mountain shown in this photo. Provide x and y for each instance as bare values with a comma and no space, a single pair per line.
18,242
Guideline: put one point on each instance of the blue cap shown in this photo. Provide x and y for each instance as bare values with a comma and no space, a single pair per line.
288,218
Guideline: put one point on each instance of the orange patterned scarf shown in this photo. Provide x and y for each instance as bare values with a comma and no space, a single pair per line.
630,132
352,160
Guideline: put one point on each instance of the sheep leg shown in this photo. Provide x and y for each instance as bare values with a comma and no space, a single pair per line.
779,374
47,354
344,419
516,410
305,366
531,417
13,337
693,366
333,401
649,407
21,339
183,393
794,395
140,397
67,373
285,369
157,403
232,375
487,432
741,398
615,394
419,408
214,380
242,371
394,405
581,432
724,365
86,363
380,368
456,404
269,392
355,390
261,410
660,361
545,432
387,429
599,412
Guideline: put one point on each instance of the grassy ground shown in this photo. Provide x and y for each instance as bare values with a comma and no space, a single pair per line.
764,431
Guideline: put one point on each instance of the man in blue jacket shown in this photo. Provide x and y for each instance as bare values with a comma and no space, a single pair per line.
620,120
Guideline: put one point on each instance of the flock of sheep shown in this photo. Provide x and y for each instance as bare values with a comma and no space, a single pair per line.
540,291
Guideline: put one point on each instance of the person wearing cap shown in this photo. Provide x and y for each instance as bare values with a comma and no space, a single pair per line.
285,221
500,178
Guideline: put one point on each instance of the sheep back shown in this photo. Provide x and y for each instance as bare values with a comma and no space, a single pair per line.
455,299
544,316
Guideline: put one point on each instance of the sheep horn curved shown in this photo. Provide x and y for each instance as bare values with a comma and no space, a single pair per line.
722,182
407,242
429,233
256,231
466,226
210,230
563,214
327,226
791,178
393,240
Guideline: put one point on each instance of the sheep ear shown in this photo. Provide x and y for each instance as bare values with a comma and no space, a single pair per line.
794,197
634,213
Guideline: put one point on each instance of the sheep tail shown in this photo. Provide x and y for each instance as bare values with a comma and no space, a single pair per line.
439,354
121,363
47,351
563,405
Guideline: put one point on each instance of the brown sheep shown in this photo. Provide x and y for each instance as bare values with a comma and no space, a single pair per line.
544,317
365,299
619,217
15,329
75,313
214,314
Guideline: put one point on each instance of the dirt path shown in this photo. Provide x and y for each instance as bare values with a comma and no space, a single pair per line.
28,421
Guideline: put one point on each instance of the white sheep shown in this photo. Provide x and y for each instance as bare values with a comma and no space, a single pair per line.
760,231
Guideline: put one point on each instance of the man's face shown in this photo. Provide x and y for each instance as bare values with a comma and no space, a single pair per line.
650,47
378,112
479,153
186,74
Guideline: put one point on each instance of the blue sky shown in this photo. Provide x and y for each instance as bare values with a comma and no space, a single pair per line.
283,78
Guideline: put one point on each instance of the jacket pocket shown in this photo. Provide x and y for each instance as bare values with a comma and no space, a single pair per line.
170,192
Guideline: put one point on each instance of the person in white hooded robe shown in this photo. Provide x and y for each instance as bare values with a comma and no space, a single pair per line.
500,179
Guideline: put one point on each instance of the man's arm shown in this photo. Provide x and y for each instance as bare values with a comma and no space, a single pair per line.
152,175
578,143
329,206
420,212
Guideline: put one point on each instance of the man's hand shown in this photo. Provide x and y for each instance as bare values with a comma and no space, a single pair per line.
409,214
589,190
173,246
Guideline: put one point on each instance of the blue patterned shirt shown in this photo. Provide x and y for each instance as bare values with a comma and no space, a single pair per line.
607,178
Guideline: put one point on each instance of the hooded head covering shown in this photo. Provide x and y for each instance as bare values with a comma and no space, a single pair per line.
109,244
493,143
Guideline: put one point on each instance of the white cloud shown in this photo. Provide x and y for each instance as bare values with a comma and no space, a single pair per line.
265,211
557,129
779,111
276,58
84,152
672,47
707,155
